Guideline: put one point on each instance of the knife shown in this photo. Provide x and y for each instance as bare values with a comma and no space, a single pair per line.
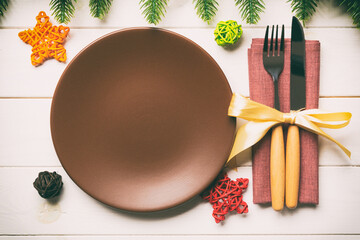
297,101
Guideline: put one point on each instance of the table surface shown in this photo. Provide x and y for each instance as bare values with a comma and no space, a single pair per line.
26,147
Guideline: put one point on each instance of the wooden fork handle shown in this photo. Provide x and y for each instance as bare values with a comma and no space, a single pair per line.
292,166
277,168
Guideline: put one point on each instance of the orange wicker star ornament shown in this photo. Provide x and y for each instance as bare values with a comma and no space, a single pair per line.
46,40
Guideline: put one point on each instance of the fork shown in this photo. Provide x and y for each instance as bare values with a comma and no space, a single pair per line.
273,61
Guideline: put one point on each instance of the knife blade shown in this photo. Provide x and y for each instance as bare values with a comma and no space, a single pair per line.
297,102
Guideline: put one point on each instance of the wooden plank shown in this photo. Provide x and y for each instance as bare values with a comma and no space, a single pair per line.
23,212
128,13
25,138
337,46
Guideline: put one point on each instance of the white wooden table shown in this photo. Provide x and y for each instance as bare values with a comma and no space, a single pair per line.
26,147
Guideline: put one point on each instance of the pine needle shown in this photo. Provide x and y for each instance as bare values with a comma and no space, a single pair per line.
353,8
206,9
63,10
3,6
250,10
153,10
303,9
99,8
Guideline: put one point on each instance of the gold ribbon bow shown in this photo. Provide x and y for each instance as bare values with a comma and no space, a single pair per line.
262,118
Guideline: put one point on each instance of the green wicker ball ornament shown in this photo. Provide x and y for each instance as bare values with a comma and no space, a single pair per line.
227,33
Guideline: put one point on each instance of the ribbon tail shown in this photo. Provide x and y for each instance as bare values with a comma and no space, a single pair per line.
249,134
311,127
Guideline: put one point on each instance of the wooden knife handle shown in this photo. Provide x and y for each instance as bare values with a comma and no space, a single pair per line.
277,168
292,166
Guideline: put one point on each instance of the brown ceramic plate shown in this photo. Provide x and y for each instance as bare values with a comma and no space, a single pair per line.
139,119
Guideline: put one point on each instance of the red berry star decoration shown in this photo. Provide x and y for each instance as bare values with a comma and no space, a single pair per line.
226,195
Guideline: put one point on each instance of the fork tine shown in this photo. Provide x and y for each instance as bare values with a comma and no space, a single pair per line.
271,53
265,48
276,42
282,39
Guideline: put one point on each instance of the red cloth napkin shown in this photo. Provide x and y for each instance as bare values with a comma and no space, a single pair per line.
262,90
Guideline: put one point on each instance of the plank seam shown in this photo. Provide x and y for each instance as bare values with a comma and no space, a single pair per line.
181,235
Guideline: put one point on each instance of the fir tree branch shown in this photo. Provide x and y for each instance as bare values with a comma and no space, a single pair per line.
99,8
153,10
303,9
63,10
3,6
250,10
206,9
353,8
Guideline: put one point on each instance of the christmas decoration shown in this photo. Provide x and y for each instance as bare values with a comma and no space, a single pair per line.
63,10
99,8
303,9
250,10
48,184
206,9
227,33
353,8
3,6
153,10
226,195
46,40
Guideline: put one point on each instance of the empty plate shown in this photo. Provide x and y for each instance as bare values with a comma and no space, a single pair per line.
139,119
